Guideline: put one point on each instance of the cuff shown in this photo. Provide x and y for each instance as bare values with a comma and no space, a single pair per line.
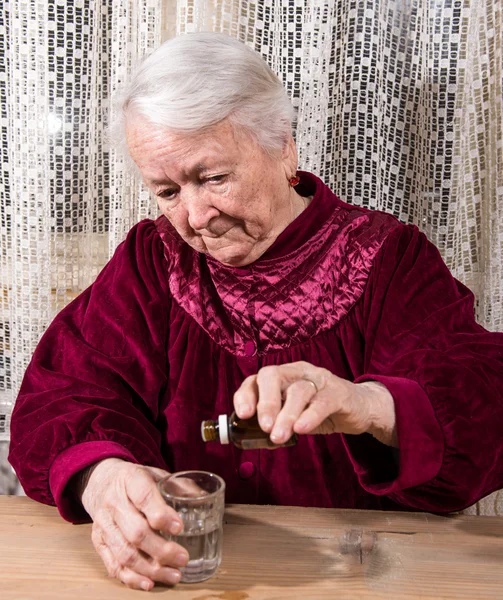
420,439
71,461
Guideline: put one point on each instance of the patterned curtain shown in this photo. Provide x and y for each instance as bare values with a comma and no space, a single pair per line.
399,108
64,200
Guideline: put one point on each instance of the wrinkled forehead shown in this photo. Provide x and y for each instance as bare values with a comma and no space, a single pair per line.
157,150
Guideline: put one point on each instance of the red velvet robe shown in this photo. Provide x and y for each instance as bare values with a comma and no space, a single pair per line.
165,336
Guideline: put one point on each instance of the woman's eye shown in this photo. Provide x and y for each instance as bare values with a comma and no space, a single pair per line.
215,178
166,194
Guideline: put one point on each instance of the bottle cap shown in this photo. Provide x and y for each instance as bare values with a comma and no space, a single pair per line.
223,430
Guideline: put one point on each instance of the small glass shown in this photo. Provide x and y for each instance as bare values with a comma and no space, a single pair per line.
198,498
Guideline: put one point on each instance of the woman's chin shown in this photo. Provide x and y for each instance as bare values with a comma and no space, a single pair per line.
232,256
230,259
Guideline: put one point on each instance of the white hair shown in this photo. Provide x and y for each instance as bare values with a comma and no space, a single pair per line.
194,81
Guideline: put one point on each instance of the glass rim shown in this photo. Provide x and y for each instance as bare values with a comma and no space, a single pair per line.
207,496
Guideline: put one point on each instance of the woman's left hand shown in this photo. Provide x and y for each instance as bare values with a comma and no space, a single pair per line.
299,397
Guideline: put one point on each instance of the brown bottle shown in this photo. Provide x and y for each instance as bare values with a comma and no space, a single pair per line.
243,433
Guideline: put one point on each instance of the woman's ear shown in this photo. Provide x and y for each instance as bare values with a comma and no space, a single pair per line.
289,157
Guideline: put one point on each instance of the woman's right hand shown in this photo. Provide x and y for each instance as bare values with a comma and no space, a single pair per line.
128,512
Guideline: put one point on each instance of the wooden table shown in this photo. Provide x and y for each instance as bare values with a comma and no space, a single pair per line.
271,552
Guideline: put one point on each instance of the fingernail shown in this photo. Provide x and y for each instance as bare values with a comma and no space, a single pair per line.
277,436
146,585
266,422
300,427
244,409
175,577
175,527
181,559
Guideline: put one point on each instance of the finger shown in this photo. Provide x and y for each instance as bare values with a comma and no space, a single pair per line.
138,533
297,398
302,370
114,569
314,415
157,474
134,567
270,385
143,493
262,393
246,398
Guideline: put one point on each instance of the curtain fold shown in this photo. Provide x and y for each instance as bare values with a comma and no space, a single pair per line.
135,32
65,203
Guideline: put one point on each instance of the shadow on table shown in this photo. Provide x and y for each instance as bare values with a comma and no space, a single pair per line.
486,545
261,554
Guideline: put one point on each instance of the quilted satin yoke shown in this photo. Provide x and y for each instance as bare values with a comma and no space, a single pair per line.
280,301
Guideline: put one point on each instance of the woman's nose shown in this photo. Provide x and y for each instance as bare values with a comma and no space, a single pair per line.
200,210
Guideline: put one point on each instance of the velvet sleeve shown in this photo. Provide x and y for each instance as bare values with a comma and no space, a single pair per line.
445,373
92,388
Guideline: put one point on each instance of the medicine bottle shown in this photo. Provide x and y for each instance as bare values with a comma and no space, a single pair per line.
243,433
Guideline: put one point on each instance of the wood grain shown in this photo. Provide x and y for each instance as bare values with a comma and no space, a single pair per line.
273,553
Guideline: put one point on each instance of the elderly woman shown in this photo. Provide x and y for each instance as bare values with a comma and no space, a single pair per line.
258,290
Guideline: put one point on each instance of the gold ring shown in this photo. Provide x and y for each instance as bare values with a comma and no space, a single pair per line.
312,383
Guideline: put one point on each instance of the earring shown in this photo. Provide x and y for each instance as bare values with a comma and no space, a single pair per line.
293,181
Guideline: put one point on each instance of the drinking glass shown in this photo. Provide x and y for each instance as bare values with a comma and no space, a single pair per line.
198,498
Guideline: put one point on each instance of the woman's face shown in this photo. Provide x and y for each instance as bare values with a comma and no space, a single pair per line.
223,194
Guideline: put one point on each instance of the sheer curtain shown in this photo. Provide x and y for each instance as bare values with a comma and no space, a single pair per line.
399,108
64,200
